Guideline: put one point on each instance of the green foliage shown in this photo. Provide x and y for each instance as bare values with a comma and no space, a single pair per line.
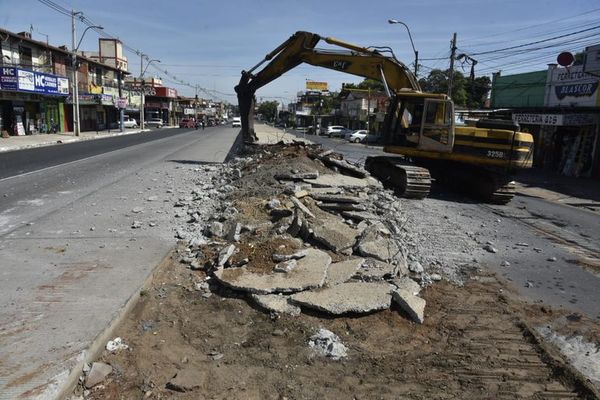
268,109
464,91
366,84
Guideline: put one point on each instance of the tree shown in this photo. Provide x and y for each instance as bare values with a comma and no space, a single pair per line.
366,84
268,109
464,91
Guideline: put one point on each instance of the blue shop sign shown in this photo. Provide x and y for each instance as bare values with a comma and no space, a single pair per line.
21,80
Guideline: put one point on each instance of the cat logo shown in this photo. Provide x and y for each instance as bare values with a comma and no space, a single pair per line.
341,65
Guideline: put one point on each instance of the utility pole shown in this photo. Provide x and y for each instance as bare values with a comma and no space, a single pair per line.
75,91
452,55
143,91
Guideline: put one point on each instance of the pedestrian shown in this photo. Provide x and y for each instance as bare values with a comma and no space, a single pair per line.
202,125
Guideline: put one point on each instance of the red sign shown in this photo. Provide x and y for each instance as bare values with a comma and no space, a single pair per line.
565,59
165,92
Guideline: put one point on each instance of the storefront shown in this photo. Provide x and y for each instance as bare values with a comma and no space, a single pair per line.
31,102
565,143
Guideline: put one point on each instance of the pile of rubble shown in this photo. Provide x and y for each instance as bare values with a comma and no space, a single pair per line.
298,228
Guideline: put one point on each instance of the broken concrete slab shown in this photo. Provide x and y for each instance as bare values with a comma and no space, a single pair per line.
342,271
97,374
297,177
336,198
334,234
328,344
375,242
301,207
406,283
342,207
309,273
346,166
339,180
375,270
224,254
413,305
277,303
360,216
350,297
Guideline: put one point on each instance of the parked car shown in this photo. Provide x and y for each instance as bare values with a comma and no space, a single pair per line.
236,123
337,131
187,123
129,122
357,136
155,122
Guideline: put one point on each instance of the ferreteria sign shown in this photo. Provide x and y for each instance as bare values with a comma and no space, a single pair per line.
571,87
20,80
556,119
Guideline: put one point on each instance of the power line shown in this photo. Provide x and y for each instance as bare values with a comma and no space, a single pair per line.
536,42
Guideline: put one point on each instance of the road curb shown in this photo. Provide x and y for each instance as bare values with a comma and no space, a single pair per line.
98,344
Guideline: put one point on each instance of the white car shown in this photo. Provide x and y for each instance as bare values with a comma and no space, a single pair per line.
129,122
156,122
237,122
357,136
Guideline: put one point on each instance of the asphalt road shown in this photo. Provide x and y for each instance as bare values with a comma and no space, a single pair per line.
70,258
552,250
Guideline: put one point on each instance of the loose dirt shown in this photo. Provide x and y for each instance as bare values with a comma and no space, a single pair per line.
474,344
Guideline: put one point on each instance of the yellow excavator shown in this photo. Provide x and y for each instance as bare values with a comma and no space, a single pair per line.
419,129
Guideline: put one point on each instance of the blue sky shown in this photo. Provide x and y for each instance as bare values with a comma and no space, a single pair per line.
208,43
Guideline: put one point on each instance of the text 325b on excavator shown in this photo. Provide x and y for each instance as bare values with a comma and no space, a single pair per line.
419,131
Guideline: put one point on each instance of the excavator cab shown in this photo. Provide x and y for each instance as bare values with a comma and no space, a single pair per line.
421,122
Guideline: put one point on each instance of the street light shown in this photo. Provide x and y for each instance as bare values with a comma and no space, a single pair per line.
395,21
76,127
142,72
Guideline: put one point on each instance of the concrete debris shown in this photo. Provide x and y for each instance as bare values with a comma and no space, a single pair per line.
551,259
297,176
407,284
233,235
327,344
273,204
215,355
435,277
346,167
286,266
187,380
301,193
137,210
505,264
342,207
301,207
136,225
360,216
334,235
97,374
416,267
375,270
276,303
350,297
375,243
490,249
224,254
522,244
285,257
336,198
413,305
309,273
341,181
216,229
342,271
116,344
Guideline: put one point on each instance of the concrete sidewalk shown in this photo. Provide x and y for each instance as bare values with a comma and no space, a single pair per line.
38,140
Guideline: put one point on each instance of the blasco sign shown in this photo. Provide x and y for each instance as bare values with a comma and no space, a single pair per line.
572,87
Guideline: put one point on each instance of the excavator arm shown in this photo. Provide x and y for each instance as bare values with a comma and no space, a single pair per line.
300,48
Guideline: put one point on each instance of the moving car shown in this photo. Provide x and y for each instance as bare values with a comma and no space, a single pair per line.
155,122
337,131
129,122
357,136
187,123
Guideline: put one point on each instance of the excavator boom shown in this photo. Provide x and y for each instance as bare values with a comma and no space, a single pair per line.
301,48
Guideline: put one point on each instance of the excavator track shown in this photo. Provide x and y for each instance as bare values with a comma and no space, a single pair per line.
408,180
503,194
